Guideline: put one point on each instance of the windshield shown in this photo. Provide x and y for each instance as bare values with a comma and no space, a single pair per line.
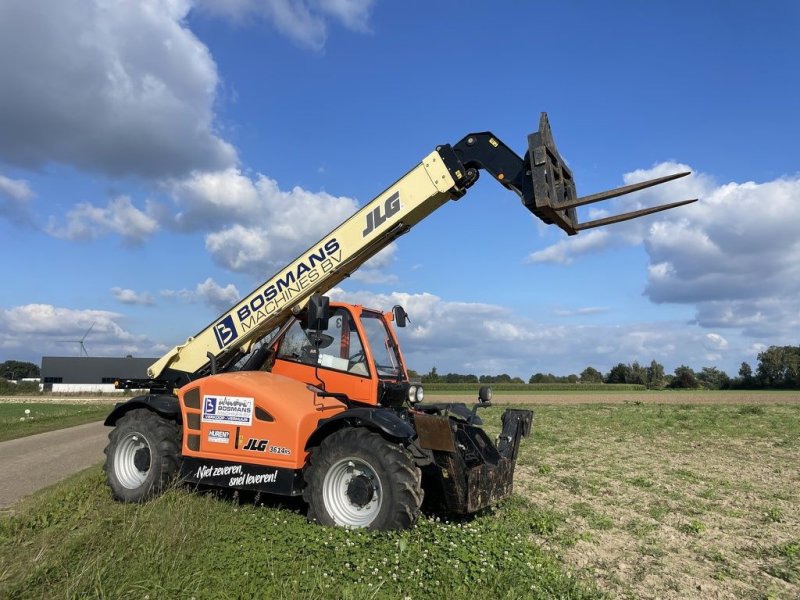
384,351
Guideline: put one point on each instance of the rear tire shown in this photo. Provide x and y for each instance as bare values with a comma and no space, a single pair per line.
142,456
356,478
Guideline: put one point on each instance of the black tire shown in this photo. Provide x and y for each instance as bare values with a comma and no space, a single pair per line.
142,456
349,463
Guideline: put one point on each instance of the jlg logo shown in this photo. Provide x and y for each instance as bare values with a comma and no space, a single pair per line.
374,218
256,445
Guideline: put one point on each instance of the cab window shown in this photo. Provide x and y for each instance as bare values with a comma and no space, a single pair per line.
340,348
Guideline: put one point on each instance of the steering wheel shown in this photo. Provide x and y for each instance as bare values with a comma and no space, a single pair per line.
357,357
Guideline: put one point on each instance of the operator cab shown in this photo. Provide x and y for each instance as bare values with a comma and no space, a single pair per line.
356,354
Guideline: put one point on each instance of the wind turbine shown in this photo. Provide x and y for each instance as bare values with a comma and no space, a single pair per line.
82,350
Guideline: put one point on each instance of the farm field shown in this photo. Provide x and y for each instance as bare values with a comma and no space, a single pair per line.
671,501
628,499
634,397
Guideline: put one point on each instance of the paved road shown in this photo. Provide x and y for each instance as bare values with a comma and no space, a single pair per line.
31,463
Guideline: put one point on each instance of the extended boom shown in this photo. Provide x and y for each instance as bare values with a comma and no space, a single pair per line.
540,178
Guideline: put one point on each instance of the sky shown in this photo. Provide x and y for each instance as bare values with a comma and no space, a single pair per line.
160,159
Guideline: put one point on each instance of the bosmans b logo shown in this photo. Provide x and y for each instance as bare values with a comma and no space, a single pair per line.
225,331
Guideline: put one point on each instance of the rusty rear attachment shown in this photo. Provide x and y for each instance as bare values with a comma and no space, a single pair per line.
466,470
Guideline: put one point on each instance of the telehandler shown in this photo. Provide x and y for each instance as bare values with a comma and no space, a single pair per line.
288,393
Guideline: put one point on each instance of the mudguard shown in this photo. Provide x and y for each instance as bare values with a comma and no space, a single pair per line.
165,405
383,420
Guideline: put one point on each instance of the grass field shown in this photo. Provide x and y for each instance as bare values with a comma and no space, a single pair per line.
626,500
671,501
16,423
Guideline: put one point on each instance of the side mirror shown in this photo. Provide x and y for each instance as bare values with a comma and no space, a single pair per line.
319,312
400,316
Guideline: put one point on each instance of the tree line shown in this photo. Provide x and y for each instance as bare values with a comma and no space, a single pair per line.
778,368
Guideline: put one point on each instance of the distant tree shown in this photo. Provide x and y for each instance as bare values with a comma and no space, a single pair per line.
17,369
412,374
572,378
543,378
684,378
431,377
714,379
517,380
746,373
779,366
591,375
636,374
618,374
655,375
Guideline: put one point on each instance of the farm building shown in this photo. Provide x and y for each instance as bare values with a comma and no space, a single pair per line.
90,374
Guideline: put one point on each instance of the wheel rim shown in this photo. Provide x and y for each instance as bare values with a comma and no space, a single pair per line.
132,449
348,480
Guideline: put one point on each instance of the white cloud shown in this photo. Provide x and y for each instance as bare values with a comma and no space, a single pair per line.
353,14
487,339
375,270
34,330
16,189
734,255
15,196
256,226
86,221
564,252
111,86
128,296
208,292
304,21
580,312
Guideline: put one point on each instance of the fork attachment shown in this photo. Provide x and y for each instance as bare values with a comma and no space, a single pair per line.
544,182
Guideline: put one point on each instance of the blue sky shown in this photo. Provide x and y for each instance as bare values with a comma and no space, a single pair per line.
159,159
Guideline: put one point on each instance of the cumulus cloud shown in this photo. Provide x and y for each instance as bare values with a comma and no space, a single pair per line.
31,331
256,227
116,87
208,292
128,296
86,222
488,339
304,21
15,196
375,270
564,252
734,255
580,312
16,189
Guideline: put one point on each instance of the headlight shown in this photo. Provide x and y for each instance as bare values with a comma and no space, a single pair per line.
415,394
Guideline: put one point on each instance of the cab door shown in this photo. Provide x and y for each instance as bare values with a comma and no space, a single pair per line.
340,361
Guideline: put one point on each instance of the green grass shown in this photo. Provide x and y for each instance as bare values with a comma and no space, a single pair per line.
15,423
642,500
73,541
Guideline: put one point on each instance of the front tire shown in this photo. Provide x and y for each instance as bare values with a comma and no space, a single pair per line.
357,478
142,456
